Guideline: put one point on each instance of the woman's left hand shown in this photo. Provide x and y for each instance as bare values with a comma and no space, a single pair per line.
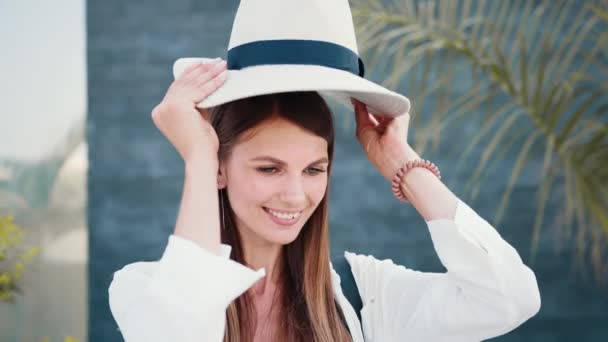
384,139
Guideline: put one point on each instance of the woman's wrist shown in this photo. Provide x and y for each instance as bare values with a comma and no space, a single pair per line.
205,158
407,155
410,154
412,171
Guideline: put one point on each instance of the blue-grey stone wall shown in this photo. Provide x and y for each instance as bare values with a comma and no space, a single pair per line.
135,176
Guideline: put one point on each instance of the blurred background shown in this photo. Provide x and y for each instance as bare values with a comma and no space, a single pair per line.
509,99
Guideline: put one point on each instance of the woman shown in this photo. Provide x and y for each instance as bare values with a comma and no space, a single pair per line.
252,263
270,156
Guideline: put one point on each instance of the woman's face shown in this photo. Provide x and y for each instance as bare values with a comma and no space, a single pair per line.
280,171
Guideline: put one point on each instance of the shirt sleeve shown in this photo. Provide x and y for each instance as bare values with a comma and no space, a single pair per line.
181,297
487,291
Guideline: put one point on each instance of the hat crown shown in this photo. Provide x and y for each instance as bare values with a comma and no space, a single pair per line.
317,20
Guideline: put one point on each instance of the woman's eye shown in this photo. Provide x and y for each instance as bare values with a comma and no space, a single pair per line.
311,170
316,170
266,169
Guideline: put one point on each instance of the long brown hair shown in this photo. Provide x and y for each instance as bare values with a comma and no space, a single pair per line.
309,311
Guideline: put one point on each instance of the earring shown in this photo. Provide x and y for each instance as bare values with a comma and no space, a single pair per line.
222,208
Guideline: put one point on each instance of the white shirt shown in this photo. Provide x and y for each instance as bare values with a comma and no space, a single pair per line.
487,291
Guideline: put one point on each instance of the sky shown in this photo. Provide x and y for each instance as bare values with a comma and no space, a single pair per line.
42,75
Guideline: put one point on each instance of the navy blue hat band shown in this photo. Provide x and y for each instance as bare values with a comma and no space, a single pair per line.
293,51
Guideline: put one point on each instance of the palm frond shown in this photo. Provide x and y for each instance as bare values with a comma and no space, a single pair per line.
510,66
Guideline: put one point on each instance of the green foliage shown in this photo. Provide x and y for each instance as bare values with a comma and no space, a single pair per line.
13,258
536,79
67,339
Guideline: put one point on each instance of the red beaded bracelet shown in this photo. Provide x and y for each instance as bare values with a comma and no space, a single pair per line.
398,178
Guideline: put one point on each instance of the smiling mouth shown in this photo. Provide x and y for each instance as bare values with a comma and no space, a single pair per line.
283,218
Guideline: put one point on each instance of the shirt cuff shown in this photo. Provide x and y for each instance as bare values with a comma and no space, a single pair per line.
468,242
191,278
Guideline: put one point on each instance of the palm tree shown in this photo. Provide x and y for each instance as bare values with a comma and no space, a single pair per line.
532,80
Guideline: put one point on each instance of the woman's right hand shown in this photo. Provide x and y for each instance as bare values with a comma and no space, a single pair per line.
178,118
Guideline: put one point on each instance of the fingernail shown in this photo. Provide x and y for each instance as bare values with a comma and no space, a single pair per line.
212,61
219,65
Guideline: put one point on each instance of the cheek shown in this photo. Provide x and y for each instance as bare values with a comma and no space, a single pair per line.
255,190
259,188
251,189
318,188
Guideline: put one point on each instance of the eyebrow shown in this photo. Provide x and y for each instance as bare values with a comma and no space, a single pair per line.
282,163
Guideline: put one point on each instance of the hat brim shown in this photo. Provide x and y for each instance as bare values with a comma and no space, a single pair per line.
267,79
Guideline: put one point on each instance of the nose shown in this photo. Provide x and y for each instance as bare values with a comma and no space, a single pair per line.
293,192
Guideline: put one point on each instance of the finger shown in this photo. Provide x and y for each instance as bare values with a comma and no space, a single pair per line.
366,130
366,134
190,70
383,121
202,68
207,88
362,118
210,74
405,122
399,124
373,119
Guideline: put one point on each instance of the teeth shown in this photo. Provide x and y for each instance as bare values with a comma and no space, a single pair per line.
282,215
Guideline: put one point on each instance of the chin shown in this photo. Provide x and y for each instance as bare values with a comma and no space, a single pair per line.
283,238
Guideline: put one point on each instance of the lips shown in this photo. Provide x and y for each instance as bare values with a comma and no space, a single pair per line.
283,221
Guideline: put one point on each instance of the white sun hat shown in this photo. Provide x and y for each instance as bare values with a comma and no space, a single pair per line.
294,45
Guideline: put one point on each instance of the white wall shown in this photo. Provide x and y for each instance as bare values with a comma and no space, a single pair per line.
42,74
42,100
